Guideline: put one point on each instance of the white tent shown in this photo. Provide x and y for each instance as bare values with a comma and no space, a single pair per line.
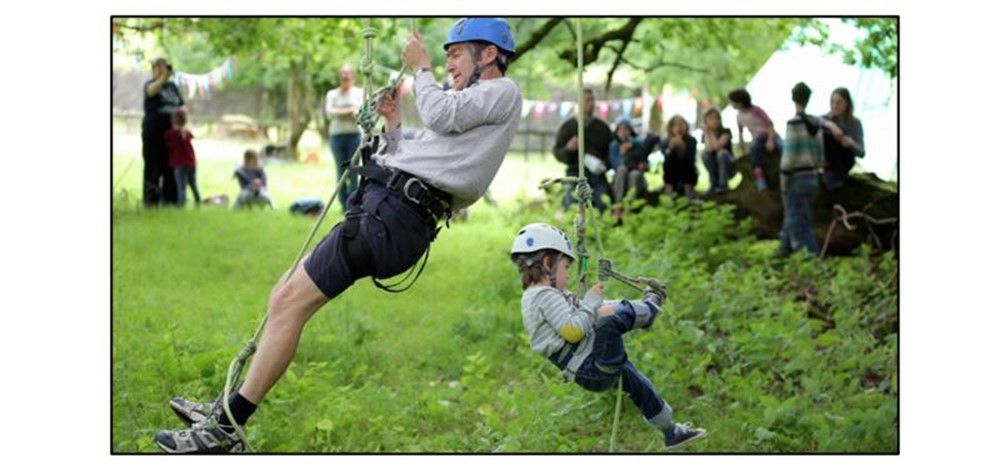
873,93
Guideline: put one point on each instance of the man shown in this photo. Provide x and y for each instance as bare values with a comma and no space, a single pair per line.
597,140
342,104
801,160
411,185
161,98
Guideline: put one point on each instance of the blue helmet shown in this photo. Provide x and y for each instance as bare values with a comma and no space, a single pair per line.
496,31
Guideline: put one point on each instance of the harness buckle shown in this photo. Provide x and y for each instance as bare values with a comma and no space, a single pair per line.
413,198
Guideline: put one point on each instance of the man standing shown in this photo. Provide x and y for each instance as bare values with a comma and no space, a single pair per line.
597,140
409,187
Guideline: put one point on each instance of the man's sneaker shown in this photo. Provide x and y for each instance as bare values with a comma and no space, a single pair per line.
207,436
682,434
191,412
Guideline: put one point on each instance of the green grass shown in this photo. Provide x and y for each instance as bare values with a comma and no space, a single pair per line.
446,366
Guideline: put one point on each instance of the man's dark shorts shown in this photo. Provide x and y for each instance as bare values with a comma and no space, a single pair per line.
394,235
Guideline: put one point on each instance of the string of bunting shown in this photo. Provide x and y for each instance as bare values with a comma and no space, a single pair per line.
627,107
206,83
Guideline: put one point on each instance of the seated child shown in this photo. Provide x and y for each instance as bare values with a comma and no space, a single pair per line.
679,171
765,138
718,154
253,182
584,340
628,156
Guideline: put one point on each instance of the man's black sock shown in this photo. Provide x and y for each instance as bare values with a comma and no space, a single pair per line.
242,410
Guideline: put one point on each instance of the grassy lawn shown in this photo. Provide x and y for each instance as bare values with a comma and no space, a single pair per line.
446,366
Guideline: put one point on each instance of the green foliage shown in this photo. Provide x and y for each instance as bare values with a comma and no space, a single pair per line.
769,356
877,48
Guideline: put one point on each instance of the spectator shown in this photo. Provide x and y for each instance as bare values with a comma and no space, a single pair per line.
678,148
253,182
841,152
764,139
597,140
161,98
629,156
181,156
342,104
718,153
800,163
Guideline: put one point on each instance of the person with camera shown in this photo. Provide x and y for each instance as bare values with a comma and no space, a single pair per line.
161,97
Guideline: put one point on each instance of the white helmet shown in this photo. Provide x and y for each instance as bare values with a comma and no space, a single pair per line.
540,236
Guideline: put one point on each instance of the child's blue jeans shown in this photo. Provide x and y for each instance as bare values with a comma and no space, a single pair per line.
608,361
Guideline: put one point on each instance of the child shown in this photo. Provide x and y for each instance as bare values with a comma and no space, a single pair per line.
180,154
765,138
800,163
585,339
678,148
718,153
628,157
253,182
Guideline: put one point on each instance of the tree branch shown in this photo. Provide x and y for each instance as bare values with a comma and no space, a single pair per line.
592,48
663,63
537,36
143,28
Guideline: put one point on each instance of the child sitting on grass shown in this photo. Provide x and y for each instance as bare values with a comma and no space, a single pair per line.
253,182
585,339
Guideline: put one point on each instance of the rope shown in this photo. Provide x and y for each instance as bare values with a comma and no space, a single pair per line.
367,124
844,217
584,195
618,412
581,184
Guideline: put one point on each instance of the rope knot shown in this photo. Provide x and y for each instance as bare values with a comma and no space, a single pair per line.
583,191
369,33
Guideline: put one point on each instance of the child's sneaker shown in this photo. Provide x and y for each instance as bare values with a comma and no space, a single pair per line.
682,434
206,436
191,412
655,298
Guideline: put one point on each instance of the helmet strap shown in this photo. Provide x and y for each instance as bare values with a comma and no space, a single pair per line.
475,53
551,272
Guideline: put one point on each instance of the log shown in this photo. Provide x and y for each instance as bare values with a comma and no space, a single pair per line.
864,193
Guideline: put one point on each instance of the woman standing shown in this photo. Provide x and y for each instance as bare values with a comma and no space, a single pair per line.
161,98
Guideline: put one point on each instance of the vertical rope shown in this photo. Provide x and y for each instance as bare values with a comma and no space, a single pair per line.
584,195
618,412
582,188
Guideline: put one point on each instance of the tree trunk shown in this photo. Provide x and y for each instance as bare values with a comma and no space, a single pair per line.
864,193
299,109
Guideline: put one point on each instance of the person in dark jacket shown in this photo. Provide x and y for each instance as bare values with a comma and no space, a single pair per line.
597,140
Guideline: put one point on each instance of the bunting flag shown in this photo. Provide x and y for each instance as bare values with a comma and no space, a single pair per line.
205,84
621,107
564,109
539,108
